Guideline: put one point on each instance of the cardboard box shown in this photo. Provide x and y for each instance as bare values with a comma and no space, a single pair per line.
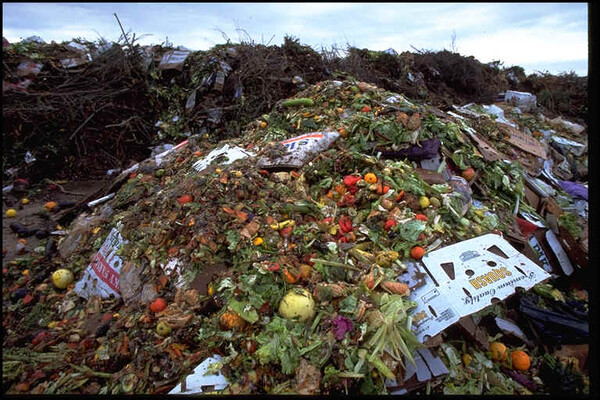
463,278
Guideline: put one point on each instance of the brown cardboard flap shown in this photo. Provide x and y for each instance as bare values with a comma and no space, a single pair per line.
575,252
523,141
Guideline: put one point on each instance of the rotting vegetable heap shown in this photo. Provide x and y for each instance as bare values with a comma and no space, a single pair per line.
290,275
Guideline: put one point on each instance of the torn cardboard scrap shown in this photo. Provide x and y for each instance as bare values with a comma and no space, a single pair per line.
199,382
463,278
523,141
428,366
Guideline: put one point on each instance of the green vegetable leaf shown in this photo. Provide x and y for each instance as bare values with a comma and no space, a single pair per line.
233,237
246,311
411,230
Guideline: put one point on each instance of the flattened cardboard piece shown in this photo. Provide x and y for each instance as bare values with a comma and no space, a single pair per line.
532,198
559,252
198,382
428,366
578,351
522,141
300,149
543,259
466,277
488,152
434,363
102,276
575,252
430,177
552,206
426,321
476,333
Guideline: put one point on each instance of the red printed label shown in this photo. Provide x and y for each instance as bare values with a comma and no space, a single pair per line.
105,272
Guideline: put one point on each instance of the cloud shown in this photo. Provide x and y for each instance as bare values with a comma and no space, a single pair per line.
310,9
527,45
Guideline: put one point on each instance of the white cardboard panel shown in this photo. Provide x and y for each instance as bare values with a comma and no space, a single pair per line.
197,380
560,253
464,278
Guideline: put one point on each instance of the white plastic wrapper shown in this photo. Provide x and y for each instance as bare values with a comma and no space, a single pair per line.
300,150
576,148
231,154
29,68
499,113
101,277
173,60
525,101
575,128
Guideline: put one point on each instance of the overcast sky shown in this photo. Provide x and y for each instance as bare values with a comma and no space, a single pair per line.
541,37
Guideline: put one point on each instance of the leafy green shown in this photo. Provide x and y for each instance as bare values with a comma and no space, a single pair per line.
410,231
348,304
570,222
246,311
277,344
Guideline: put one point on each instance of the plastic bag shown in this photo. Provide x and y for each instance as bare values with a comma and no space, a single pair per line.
461,196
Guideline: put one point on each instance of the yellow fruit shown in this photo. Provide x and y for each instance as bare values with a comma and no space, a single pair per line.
263,125
211,290
62,278
297,304
467,359
24,201
163,329
498,351
257,241
424,202
11,213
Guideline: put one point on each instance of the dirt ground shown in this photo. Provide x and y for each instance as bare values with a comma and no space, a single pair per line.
28,215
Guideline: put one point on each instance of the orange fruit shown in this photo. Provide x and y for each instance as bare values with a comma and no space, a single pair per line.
468,173
498,351
520,360
50,205
417,252
231,320
370,178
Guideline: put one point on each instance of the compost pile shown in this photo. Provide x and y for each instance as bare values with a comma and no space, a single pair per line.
77,109
291,275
